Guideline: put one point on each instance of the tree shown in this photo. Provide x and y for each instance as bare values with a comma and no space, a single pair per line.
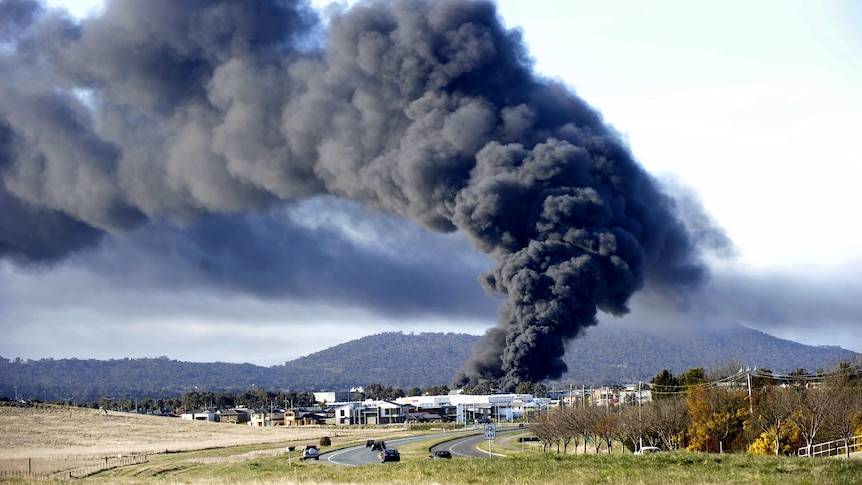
771,414
380,392
809,409
664,384
224,400
305,399
524,387
845,418
716,413
692,377
414,391
547,431
485,387
568,422
667,419
630,429
437,391
539,390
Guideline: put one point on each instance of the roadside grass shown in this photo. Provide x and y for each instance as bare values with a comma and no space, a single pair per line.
522,469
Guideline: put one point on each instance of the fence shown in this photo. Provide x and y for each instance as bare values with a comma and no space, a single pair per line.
832,448
64,467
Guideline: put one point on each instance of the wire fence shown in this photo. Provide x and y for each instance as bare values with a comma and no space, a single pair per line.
65,467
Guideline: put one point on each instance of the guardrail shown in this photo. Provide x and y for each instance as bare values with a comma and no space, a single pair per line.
832,448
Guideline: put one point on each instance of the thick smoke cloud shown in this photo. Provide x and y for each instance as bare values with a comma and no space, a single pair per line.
165,112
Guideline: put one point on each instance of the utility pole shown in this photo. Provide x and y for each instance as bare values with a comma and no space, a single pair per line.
640,420
750,403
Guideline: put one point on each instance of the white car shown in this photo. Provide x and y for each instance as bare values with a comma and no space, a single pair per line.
647,450
310,452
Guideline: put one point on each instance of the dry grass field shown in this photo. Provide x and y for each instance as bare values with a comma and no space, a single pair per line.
48,439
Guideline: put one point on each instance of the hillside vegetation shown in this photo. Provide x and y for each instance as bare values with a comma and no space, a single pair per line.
607,354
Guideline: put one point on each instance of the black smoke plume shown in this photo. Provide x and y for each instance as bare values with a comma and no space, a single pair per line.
172,111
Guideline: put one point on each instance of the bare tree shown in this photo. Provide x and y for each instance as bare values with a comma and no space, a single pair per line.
846,411
546,430
668,419
630,427
568,420
594,425
772,414
571,421
809,408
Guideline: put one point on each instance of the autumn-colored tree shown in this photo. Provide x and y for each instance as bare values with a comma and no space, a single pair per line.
717,416
606,429
595,425
772,416
764,445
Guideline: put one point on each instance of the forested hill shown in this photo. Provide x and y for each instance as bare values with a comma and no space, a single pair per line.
607,354
623,353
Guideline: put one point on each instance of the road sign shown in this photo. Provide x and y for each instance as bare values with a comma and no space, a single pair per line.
490,431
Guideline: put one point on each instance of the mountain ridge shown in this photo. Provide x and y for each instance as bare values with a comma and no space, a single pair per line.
605,354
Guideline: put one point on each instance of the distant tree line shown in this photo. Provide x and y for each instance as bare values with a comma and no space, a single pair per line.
252,398
754,411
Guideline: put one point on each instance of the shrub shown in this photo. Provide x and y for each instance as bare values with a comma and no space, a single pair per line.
325,441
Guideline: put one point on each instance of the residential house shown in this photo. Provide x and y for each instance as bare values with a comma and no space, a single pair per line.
310,416
372,412
201,415
234,416
262,418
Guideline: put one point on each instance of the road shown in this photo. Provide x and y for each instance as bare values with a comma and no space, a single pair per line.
362,455
468,445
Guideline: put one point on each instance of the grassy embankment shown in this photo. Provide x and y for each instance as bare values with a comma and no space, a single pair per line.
213,454
229,466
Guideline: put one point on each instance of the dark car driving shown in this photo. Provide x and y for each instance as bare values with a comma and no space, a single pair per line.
378,445
440,454
390,455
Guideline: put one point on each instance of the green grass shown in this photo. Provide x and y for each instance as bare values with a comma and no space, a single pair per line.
218,467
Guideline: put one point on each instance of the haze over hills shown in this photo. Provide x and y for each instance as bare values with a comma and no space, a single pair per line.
606,354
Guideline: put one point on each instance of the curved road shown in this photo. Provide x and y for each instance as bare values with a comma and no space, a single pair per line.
362,455
468,446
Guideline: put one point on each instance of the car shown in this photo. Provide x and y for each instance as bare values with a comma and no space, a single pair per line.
310,452
645,450
369,443
484,421
378,445
390,455
440,454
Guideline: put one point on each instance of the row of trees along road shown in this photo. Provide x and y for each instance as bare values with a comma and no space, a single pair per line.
753,410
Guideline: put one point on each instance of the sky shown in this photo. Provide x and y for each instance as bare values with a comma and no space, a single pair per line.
744,109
